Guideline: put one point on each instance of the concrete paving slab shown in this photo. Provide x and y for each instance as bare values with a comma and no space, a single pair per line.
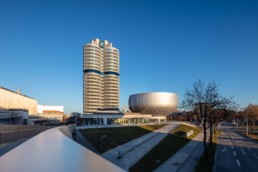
186,159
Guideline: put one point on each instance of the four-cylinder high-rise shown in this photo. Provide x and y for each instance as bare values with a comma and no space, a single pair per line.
100,77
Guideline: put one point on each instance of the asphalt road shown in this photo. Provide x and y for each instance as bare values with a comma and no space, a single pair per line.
235,152
4,148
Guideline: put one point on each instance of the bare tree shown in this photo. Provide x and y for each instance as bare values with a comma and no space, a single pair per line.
252,112
217,115
204,100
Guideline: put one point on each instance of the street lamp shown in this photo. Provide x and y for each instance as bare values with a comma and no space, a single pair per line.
102,137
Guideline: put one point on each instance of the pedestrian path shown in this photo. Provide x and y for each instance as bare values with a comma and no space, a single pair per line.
186,158
134,150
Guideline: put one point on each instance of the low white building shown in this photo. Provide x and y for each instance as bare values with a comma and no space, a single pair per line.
50,109
51,112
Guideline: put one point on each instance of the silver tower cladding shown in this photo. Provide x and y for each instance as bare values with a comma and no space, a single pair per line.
100,77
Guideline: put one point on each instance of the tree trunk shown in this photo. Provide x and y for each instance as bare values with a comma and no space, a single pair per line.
204,143
252,127
215,127
211,134
204,138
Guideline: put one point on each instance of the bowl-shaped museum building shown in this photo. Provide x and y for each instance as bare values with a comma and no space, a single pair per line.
155,103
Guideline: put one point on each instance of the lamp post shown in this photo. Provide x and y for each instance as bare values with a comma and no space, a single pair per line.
101,142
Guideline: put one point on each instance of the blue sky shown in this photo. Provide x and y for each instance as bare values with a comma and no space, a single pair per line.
164,46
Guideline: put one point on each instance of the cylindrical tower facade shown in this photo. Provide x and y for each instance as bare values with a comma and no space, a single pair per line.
92,77
101,77
111,78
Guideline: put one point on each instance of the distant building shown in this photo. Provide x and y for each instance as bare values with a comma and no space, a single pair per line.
151,107
155,103
46,109
100,77
14,116
75,114
14,106
101,92
15,100
51,112
119,118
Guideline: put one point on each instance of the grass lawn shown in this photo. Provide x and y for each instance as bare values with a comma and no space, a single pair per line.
165,149
253,135
116,136
206,164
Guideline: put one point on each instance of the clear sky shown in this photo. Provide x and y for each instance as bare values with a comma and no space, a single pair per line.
164,46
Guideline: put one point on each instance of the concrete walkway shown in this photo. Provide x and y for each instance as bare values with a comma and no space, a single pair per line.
134,150
185,159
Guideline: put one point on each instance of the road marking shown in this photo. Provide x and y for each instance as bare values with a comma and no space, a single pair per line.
243,151
232,147
238,163
234,153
